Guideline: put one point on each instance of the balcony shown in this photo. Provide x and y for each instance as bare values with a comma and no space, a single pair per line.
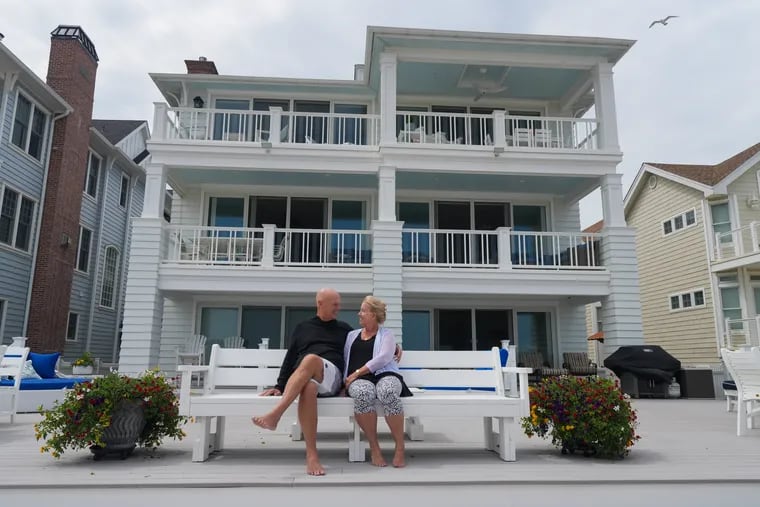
270,246
736,248
474,132
741,333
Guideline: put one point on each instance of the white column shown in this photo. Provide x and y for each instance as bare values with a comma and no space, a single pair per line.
612,200
160,117
143,304
275,125
604,103
155,191
387,271
386,192
388,98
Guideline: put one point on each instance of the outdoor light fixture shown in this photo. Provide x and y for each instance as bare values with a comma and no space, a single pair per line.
498,150
198,102
267,145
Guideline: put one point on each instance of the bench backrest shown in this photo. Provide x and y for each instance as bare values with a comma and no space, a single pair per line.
229,368
12,362
744,368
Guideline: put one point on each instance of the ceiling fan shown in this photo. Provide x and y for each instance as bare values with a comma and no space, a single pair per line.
482,91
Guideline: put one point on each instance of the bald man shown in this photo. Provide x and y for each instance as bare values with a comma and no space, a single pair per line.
312,367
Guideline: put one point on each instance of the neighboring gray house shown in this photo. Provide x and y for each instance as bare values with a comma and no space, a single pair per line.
112,195
28,110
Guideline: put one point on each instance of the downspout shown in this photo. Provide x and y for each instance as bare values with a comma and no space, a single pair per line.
40,208
123,271
99,256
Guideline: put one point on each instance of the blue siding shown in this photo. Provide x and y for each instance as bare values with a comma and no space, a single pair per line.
24,174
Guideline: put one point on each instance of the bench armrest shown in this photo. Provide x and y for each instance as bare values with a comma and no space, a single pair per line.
519,369
192,368
186,384
522,375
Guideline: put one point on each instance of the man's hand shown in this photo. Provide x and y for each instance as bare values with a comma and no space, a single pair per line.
399,352
272,392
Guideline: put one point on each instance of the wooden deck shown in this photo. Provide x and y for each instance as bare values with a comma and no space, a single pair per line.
682,441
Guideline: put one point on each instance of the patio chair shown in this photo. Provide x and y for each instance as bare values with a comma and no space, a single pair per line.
193,351
233,342
578,363
541,367
279,250
11,364
744,368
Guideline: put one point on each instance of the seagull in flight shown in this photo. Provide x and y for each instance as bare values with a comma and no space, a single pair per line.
663,21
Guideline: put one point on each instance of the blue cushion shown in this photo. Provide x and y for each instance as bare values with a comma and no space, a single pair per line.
44,364
729,385
42,384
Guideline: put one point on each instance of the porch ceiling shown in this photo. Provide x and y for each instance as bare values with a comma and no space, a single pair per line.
192,177
512,183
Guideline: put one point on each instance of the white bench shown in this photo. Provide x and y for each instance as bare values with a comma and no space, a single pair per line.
445,384
744,367
11,364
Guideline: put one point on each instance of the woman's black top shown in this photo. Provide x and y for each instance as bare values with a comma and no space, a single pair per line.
361,352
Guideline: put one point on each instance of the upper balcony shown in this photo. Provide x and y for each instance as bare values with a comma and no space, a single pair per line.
736,248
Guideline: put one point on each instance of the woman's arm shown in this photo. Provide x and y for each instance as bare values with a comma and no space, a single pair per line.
385,351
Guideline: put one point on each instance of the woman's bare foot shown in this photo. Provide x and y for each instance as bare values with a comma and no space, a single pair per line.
313,466
399,461
268,422
377,458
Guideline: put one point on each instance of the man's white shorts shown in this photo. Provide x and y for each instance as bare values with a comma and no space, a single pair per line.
331,381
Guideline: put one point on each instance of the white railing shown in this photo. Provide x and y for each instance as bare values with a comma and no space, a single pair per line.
274,126
741,333
737,242
502,248
497,130
267,246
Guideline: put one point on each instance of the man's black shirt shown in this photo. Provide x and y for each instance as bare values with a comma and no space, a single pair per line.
314,336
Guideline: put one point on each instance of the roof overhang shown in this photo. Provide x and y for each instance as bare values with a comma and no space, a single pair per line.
722,186
635,189
28,80
103,146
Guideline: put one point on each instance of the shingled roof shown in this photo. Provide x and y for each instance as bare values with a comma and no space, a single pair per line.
116,130
709,174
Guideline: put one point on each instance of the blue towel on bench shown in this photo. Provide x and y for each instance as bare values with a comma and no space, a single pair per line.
43,384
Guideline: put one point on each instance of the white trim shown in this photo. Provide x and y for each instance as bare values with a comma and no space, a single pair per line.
35,105
90,154
79,251
76,329
3,313
637,184
680,295
672,221
11,245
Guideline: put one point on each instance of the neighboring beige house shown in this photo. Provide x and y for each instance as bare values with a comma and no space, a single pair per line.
691,291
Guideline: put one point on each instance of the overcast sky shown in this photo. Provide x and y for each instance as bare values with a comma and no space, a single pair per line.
686,93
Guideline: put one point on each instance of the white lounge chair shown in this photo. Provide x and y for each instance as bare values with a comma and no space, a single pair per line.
193,351
11,363
744,367
233,342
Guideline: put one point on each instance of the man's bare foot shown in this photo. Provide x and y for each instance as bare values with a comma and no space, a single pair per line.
268,422
399,461
377,458
313,466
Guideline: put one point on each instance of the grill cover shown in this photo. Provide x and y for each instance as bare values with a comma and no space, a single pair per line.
644,361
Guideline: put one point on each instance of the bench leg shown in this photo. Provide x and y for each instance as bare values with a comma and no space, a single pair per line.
414,429
200,429
488,434
218,442
505,443
356,448
296,435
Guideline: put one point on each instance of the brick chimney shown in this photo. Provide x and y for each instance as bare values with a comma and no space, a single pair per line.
200,66
71,73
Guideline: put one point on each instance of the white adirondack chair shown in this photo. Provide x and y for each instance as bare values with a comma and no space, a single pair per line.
193,351
744,368
11,363
233,342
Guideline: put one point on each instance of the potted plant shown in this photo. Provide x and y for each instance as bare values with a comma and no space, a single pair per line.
112,414
586,414
83,365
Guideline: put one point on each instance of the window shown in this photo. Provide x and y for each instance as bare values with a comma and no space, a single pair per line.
83,253
110,270
596,318
124,191
16,218
93,172
687,300
72,326
721,220
679,222
730,301
28,127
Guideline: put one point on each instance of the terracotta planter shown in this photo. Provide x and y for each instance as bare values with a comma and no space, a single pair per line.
127,422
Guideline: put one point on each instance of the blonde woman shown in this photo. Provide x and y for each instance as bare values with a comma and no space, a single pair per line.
369,356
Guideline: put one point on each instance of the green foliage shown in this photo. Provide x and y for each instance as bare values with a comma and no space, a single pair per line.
590,414
85,360
79,421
